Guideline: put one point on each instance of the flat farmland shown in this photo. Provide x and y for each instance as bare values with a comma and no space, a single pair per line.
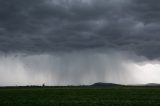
80,96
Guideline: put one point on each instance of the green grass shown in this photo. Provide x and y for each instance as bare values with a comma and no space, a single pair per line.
80,96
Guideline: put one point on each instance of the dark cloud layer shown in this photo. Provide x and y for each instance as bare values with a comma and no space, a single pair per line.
39,26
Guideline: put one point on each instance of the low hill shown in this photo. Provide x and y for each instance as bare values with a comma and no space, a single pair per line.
152,84
105,84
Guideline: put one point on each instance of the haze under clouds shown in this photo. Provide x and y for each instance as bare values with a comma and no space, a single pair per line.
79,41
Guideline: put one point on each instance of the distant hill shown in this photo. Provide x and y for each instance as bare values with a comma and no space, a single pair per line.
152,84
105,84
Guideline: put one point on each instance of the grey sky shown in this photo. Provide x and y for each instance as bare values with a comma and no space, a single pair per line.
64,42
43,26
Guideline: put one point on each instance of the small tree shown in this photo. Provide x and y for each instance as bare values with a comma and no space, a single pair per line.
43,85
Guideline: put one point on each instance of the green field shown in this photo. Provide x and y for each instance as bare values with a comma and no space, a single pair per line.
80,96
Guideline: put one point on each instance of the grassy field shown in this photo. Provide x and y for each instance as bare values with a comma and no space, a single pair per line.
80,96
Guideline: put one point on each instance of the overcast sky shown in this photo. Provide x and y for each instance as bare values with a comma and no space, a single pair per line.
79,32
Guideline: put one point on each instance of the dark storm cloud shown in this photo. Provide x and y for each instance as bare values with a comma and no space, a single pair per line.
39,26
